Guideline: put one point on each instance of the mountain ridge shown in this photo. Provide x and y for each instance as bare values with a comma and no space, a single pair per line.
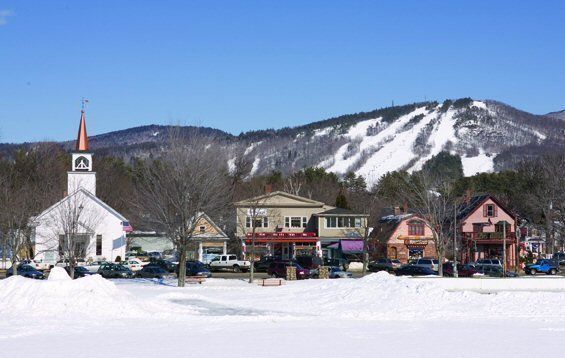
488,135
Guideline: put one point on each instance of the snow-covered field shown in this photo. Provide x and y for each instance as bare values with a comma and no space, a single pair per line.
379,315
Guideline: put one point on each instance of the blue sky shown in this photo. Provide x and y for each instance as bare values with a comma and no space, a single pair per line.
241,65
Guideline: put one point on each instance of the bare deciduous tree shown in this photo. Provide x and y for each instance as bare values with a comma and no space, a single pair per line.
190,177
71,226
254,215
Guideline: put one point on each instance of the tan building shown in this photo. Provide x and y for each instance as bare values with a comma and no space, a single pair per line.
207,238
402,236
288,225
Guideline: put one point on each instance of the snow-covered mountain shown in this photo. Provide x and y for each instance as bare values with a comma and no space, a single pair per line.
487,135
557,115
479,131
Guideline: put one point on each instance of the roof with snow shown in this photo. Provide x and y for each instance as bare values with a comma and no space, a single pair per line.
339,212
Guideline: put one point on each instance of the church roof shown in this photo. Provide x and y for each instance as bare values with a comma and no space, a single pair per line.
89,195
82,139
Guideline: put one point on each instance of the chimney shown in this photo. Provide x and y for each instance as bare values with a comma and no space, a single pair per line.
65,194
268,188
405,207
467,197
397,210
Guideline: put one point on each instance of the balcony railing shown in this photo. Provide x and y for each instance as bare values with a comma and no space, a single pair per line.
497,235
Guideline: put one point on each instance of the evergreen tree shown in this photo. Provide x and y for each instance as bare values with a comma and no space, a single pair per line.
341,201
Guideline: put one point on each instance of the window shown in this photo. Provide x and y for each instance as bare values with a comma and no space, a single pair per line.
98,244
358,222
295,221
416,228
489,210
202,229
261,221
343,222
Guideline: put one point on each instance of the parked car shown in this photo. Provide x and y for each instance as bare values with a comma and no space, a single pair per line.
196,268
495,271
462,270
164,264
94,266
154,255
427,262
384,264
207,258
65,262
337,272
310,262
413,270
559,257
229,262
114,271
149,271
278,269
488,262
263,264
546,266
39,265
26,271
80,271
133,264
339,262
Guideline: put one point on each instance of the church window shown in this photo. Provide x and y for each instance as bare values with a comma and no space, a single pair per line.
98,244
82,163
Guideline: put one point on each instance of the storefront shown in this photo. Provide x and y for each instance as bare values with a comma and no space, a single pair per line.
283,245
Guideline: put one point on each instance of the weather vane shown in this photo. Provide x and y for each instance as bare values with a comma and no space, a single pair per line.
84,101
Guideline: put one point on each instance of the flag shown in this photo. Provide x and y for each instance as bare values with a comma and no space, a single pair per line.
127,227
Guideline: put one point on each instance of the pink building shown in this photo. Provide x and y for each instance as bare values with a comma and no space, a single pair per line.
485,226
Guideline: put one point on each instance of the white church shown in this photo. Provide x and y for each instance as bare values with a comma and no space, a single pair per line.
98,232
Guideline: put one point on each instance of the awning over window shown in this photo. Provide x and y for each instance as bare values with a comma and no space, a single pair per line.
348,246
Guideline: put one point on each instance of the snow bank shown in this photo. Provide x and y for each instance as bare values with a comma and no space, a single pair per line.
356,266
61,296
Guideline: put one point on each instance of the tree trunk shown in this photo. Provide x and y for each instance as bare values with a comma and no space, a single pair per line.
14,266
252,268
182,266
365,252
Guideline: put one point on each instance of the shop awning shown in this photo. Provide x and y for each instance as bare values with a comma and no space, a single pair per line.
348,246
262,240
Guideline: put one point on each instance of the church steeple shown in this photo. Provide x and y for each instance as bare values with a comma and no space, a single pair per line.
81,174
82,140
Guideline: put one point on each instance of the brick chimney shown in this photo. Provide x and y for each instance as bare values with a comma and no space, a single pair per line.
268,188
405,207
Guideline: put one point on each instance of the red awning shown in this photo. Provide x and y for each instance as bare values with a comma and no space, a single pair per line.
262,240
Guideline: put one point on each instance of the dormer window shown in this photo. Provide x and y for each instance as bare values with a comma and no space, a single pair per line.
416,228
489,210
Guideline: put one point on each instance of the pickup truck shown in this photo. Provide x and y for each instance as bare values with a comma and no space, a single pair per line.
548,267
229,262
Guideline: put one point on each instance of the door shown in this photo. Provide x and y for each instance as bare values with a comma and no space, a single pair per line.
285,251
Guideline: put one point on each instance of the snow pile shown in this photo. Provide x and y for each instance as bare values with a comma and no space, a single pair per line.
61,296
58,274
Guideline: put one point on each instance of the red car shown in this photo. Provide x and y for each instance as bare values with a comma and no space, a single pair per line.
462,270
278,269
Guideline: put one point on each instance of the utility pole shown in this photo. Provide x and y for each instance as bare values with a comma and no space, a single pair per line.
504,249
455,273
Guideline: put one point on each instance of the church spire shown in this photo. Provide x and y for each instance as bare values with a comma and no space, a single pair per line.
82,140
